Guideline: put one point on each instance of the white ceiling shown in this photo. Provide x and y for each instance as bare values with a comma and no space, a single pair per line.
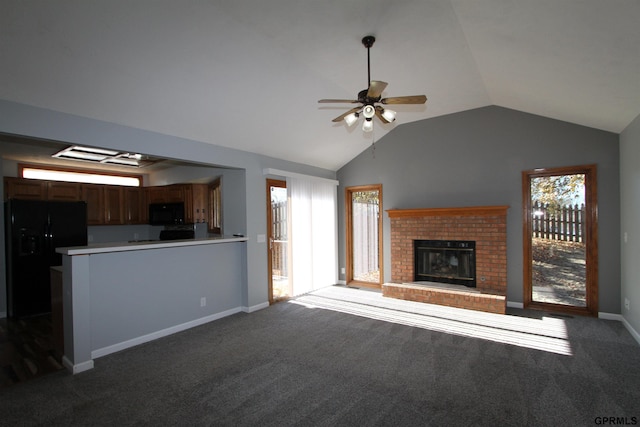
248,73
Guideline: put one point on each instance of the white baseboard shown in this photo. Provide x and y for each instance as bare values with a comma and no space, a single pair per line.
342,282
162,333
76,369
632,331
610,316
255,307
514,304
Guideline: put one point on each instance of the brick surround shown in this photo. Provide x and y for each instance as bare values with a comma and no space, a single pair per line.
486,225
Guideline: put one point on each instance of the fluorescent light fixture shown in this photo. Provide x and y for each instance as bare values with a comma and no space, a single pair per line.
351,119
100,155
88,178
367,126
389,115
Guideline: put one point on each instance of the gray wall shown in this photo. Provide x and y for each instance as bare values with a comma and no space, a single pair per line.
132,302
630,221
475,158
20,119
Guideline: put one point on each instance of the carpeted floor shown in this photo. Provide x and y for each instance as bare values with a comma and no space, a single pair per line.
342,356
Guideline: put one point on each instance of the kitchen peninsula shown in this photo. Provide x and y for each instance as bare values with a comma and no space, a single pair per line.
119,295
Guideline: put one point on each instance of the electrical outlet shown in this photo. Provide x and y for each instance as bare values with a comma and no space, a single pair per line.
136,236
342,271
627,304
203,301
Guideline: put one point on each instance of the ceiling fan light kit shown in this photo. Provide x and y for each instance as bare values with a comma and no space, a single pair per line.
370,99
350,119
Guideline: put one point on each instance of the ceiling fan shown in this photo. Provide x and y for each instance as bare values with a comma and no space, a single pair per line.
371,98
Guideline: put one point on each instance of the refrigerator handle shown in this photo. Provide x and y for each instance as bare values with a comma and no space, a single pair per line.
48,237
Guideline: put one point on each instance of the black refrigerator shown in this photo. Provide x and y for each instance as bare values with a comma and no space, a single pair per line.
33,230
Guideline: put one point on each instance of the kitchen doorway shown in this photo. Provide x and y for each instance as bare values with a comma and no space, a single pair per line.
277,232
560,241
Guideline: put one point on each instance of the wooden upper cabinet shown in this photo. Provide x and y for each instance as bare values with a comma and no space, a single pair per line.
214,203
64,191
113,206
194,197
176,193
135,206
166,193
156,194
94,196
195,203
21,188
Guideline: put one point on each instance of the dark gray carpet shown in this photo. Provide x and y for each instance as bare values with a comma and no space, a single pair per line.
297,364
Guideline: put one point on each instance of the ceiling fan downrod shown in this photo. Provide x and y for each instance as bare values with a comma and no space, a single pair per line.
368,41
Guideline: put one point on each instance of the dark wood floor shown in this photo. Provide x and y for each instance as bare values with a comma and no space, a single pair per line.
26,349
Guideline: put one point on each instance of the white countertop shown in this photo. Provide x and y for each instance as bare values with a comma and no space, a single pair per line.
100,248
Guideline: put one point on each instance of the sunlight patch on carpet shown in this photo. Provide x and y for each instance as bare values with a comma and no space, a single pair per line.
546,334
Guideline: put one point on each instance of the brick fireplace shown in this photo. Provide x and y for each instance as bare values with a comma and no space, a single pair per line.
484,225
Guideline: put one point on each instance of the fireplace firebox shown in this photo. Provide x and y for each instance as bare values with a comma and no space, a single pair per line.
445,261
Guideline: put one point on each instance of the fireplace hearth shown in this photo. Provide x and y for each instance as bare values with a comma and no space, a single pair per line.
445,261
485,226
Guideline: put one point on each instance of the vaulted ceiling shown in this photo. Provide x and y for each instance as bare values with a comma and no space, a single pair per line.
247,74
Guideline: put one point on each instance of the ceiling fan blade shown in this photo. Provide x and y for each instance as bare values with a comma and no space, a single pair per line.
379,111
342,116
336,101
376,88
415,99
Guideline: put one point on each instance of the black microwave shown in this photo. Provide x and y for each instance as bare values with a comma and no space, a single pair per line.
166,213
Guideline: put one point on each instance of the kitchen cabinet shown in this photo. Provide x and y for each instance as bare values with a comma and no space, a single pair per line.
194,197
104,204
94,196
113,206
21,188
176,193
35,189
135,206
156,194
166,193
64,191
196,203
